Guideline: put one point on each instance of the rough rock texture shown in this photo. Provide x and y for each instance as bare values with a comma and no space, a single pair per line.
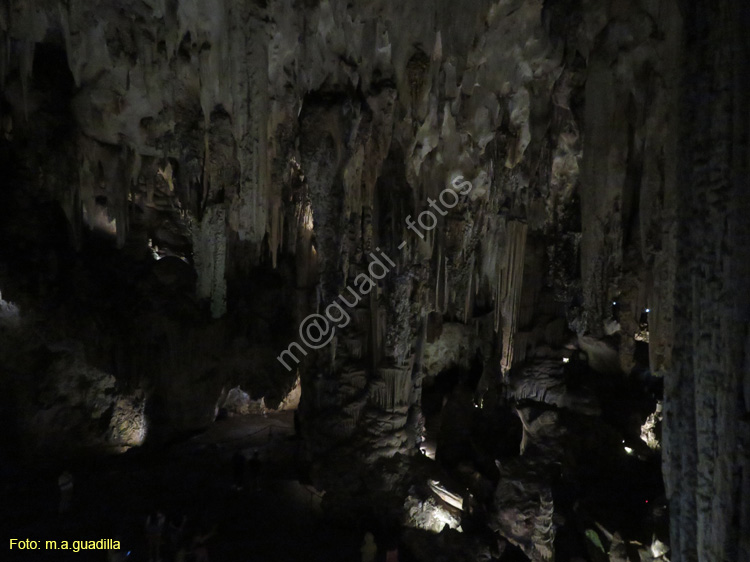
185,181
544,383
706,462
524,511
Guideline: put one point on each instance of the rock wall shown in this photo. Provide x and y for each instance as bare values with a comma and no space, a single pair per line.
706,412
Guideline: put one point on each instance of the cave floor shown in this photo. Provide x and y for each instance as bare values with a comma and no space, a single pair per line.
281,521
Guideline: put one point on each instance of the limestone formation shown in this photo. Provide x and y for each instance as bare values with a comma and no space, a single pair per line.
557,189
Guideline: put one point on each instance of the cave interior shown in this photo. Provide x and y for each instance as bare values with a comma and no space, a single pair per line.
307,280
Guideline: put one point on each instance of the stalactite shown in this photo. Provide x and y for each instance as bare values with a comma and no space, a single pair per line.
446,287
275,230
437,278
209,250
393,388
248,62
206,176
467,300
509,288
375,331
